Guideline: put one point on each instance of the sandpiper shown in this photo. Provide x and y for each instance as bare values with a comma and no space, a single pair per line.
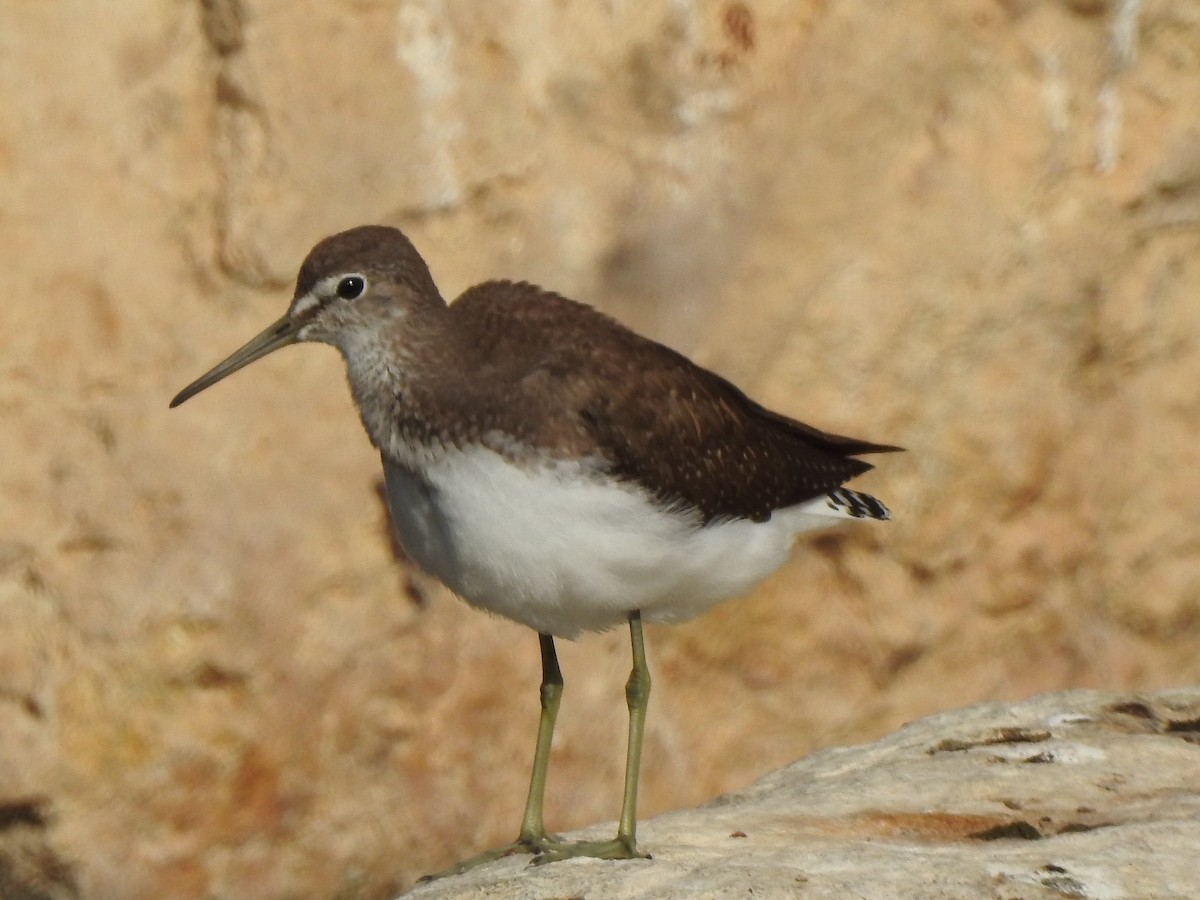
551,466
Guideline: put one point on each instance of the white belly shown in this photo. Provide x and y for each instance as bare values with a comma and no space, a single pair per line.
562,551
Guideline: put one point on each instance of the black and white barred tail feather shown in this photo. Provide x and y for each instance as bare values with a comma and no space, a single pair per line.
855,504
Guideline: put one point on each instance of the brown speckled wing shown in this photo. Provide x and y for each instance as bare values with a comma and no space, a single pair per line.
582,382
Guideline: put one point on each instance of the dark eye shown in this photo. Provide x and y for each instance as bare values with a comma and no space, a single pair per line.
351,287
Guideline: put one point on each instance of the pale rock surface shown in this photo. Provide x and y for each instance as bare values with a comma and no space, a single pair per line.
1082,794
969,228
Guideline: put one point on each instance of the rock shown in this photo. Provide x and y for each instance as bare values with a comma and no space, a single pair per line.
1081,794
30,869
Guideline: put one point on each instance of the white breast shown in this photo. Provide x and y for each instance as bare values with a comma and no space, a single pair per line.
561,550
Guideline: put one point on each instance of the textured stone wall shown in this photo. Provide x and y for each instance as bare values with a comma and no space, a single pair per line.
969,228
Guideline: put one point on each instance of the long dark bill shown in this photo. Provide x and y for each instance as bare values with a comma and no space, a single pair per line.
279,334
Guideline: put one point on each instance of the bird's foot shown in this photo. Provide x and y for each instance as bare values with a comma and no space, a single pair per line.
617,848
534,845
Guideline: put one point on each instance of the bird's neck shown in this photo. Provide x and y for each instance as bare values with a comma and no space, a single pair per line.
393,371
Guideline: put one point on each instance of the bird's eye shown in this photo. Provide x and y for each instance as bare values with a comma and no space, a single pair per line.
351,287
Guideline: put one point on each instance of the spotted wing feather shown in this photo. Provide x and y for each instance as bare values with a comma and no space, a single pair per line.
687,435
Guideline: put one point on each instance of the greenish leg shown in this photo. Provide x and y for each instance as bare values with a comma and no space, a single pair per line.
637,697
533,829
533,837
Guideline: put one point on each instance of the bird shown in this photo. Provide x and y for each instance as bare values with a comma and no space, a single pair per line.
553,467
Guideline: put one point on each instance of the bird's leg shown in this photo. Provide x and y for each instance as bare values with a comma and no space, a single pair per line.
533,837
637,697
533,830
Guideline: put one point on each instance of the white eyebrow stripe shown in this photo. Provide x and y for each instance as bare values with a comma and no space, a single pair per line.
306,303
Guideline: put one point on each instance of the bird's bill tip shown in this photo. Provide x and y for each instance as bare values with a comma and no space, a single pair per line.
280,333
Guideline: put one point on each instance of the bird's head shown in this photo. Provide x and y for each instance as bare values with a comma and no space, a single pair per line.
350,284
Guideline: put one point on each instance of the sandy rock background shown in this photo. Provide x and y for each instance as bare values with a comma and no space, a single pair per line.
972,229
